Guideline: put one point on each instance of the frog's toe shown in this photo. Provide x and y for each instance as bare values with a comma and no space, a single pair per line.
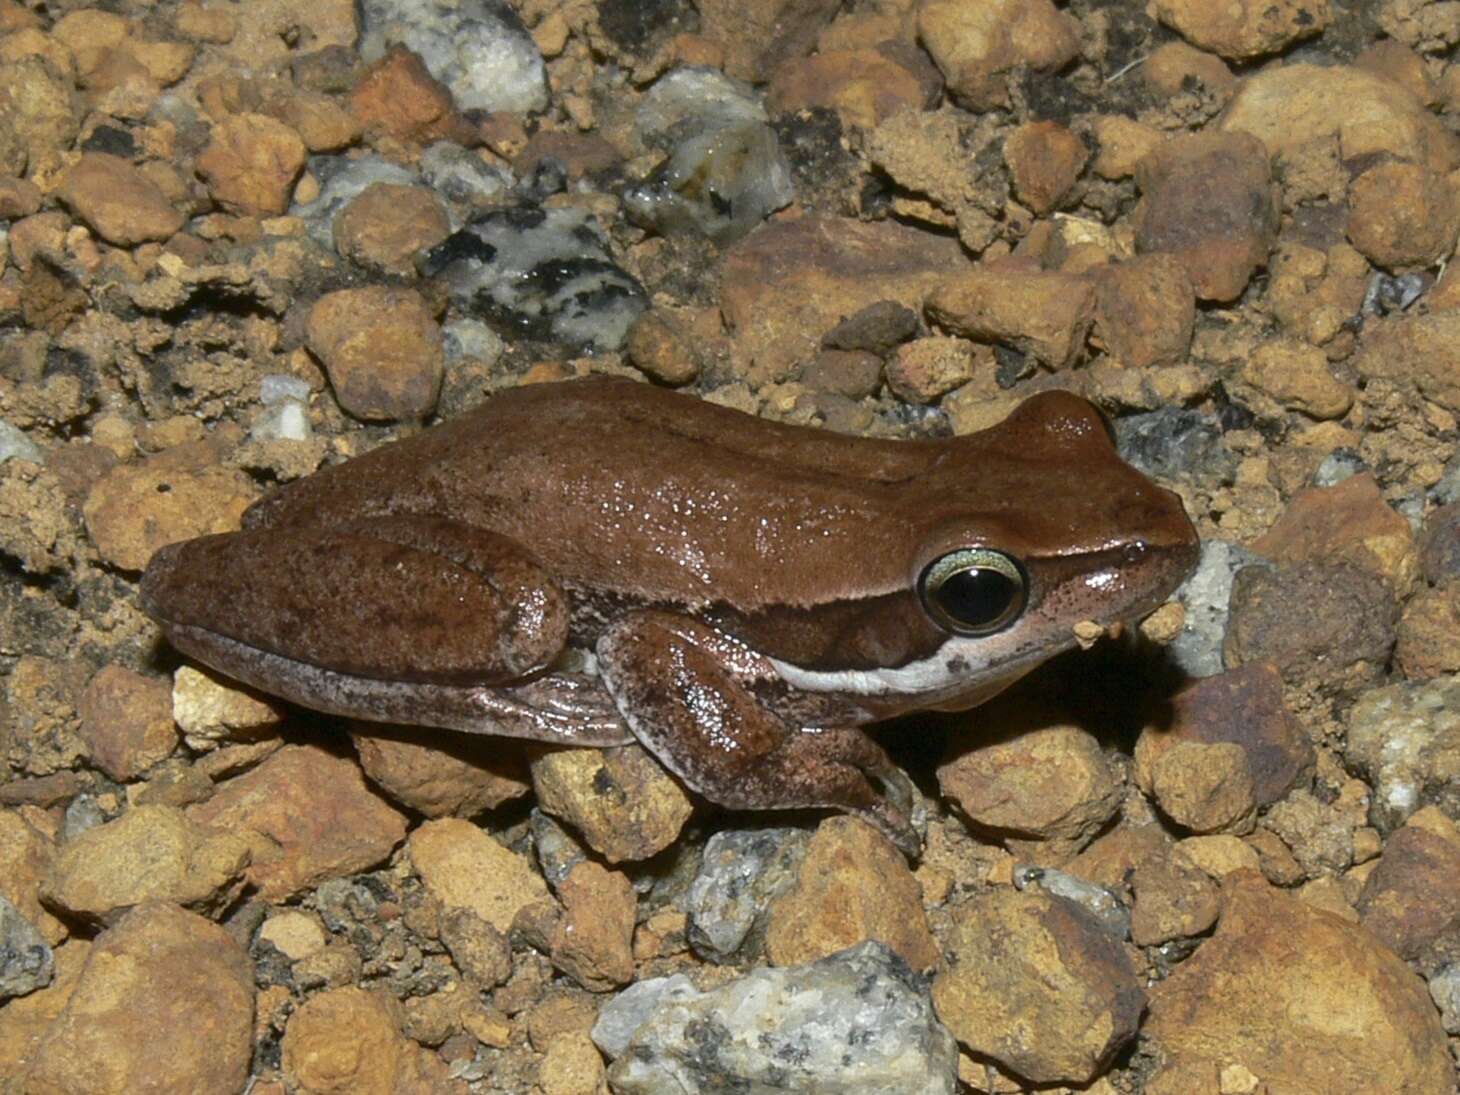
906,804
896,827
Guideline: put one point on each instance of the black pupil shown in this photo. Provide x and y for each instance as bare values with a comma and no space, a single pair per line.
976,597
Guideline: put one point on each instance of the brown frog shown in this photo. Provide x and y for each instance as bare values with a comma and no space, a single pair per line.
600,561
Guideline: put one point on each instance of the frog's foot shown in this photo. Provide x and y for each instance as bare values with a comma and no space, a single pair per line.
685,691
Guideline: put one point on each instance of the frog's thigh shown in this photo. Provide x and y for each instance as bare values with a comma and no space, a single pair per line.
401,599
686,704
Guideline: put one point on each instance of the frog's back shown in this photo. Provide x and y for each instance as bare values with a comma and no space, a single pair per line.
601,477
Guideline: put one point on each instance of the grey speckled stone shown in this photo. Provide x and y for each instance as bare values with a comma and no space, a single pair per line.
725,172
742,872
26,961
857,1021
542,274
1205,595
15,445
1406,739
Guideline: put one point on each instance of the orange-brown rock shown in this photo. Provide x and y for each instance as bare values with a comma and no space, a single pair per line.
1298,377
441,774
864,86
349,1039
1244,29
621,800
1035,984
18,198
251,164
461,866
789,282
592,942
387,225
922,370
126,721
852,885
137,508
1208,199
322,124
164,1002
398,96
25,1020
1173,898
1177,69
39,114
1045,160
758,35
1347,523
1037,312
1399,64
977,45
659,348
1204,787
381,347
1403,214
1428,635
1289,106
1320,834
1123,143
150,853
1415,349
1244,707
479,951
121,204
25,861
311,818
1145,310
1303,999
1045,779
1411,900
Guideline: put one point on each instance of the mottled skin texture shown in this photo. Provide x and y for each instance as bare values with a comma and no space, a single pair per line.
749,590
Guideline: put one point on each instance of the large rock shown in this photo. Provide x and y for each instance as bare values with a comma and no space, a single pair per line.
150,853
1289,106
381,347
1042,313
311,818
463,867
1035,983
790,282
976,46
118,201
165,1002
852,886
1416,349
1208,199
1304,1000
1244,28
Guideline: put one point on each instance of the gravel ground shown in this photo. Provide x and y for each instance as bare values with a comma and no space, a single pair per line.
242,241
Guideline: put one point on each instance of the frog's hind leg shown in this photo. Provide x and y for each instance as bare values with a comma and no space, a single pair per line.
393,619
686,692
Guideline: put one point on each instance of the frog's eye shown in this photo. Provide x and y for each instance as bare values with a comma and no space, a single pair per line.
973,591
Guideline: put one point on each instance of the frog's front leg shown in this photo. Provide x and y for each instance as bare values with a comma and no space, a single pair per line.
407,618
686,692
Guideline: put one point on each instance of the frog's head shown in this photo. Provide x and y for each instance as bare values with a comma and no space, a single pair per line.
1019,532
1071,534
